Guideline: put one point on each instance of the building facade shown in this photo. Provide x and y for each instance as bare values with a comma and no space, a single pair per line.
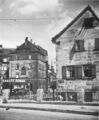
77,58
27,67
4,63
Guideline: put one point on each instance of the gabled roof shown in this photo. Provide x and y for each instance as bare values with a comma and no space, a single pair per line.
88,8
27,45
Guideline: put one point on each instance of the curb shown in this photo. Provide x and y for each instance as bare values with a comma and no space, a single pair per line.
52,110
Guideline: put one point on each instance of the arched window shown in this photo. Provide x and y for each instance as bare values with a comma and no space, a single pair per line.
23,70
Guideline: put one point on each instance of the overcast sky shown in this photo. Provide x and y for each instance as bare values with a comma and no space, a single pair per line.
40,20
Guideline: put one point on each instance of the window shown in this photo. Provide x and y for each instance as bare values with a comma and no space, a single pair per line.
5,68
70,72
89,71
5,60
79,45
17,67
96,43
17,57
79,71
23,70
88,23
17,75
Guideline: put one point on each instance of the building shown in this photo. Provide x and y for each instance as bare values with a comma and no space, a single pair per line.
77,58
4,63
27,67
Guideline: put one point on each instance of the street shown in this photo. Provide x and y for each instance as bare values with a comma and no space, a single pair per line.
18,114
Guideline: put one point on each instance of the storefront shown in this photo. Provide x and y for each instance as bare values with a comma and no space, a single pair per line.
15,85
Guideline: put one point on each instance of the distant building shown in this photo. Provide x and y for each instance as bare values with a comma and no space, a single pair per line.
27,67
77,58
4,63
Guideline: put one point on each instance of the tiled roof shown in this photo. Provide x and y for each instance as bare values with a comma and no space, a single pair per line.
30,47
6,51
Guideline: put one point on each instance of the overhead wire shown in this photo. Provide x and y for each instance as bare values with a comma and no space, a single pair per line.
31,19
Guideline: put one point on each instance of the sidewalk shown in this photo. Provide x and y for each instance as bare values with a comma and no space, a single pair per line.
77,109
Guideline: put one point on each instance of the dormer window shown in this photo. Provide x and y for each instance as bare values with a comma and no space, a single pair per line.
79,45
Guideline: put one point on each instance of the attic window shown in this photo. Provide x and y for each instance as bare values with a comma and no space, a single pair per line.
88,23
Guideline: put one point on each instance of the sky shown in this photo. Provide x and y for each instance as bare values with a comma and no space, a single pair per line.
39,20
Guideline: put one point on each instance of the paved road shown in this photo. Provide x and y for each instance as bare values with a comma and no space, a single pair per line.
18,114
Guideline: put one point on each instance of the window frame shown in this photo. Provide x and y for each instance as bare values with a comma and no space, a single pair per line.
78,46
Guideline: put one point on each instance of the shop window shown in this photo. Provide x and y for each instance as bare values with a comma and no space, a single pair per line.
23,70
79,45
96,43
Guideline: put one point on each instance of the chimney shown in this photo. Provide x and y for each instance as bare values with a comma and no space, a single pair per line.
31,40
26,40
0,47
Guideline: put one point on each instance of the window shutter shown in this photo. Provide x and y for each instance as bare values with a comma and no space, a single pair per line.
81,45
63,72
93,71
79,72
97,44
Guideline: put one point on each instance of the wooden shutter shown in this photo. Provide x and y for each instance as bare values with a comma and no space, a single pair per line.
93,71
63,72
97,44
79,72
81,45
